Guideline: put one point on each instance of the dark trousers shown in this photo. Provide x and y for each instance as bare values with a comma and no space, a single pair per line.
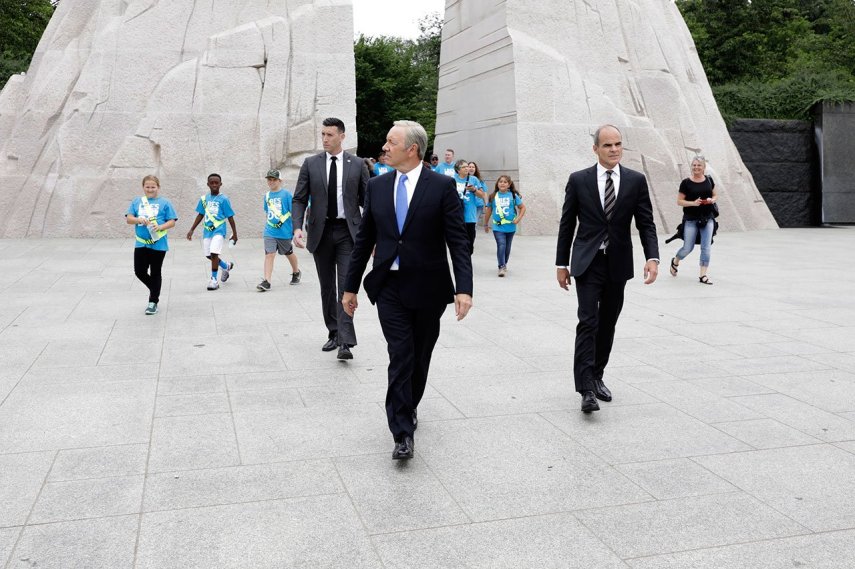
471,230
411,335
147,267
331,260
600,303
503,247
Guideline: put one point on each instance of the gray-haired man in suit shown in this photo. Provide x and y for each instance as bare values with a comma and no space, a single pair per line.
332,223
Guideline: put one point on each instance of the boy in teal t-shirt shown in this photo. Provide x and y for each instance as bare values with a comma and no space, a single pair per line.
215,209
278,230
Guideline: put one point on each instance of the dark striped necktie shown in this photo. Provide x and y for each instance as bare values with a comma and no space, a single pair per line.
609,202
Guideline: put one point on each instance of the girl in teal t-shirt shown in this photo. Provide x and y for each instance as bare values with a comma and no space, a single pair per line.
504,211
153,216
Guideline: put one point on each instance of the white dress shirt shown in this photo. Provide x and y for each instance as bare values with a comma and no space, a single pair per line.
410,183
339,168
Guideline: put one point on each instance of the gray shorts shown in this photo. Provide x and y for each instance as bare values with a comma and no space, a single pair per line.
276,245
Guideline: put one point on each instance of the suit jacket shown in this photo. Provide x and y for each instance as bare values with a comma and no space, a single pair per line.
582,204
312,182
434,220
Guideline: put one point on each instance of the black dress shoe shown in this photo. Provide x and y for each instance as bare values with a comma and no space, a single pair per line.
415,420
601,391
403,449
589,402
331,344
344,352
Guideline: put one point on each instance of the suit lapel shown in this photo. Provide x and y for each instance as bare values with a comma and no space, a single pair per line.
594,187
418,193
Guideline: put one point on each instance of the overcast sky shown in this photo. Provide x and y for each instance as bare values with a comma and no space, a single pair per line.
397,18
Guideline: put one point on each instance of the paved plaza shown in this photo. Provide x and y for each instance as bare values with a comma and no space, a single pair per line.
216,434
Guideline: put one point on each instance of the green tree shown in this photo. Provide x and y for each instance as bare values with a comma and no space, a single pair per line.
396,79
22,23
774,58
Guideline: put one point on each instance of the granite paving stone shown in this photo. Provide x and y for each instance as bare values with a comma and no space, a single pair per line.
518,473
766,433
21,479
103,542
419,499
676,478
322,532
810,484
217,434
91,498
230,485
643,432
99,462
667,526
8,537
196,441
555,541
820,551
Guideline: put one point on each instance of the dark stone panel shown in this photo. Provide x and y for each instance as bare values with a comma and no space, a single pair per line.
774,146
782,176
791,209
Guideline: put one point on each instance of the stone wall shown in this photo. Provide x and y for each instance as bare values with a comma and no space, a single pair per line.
783,161
118,89
523,85
835,128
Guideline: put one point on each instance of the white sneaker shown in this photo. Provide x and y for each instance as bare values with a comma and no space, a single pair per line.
214,284
224,273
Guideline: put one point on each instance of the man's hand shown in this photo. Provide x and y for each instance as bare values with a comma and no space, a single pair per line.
299,240
651,271
462,304
563,276
349,303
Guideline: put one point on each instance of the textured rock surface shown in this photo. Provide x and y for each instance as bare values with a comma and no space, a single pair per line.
783,161
523,85
121,89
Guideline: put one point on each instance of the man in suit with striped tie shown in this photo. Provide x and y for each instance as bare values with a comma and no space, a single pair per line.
602,201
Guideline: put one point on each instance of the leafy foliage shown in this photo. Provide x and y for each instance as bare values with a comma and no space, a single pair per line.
774,58
22,23
396,79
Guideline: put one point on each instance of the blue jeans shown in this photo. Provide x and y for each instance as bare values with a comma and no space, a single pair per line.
503,247
690,234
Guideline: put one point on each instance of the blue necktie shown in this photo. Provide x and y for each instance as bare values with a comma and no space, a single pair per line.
401,207
401,204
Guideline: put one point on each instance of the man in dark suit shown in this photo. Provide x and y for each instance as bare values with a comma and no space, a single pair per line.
603,200
411,215
335,181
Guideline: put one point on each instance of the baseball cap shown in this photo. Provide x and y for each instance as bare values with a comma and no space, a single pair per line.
273,174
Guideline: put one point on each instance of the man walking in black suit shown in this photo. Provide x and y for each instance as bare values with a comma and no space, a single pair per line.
603,200
335,180
410,216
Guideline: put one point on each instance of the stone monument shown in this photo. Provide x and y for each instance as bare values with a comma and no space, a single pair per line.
523,85
120,89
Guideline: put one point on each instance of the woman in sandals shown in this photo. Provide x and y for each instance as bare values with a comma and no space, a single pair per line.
696,196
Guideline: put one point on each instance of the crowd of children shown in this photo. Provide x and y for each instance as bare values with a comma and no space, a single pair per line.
154,215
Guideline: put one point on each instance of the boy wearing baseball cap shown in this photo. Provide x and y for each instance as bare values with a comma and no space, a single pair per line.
278,230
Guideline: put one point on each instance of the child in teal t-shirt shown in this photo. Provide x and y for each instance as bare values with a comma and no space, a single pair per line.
153,216
504,211
215,209
469,190
278,230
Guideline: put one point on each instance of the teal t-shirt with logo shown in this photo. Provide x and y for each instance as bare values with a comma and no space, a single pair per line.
159,208
215,210
507,202
278,205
